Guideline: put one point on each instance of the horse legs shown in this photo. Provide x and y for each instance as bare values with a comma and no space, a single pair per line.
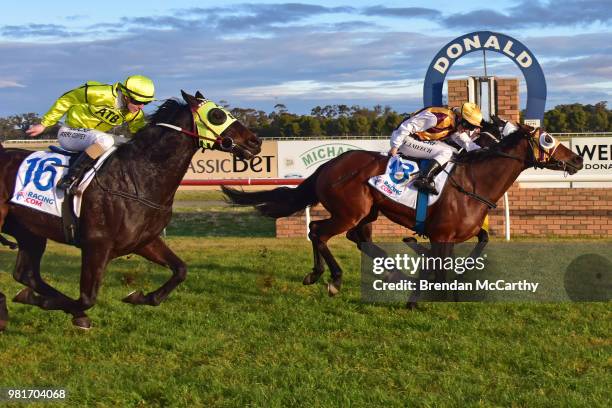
93,264
440,250
3,312
318,268
27,272
158,252
358,234
320,233
3,214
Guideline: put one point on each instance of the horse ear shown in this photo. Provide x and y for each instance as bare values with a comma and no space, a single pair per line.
191,100
199,95
497,121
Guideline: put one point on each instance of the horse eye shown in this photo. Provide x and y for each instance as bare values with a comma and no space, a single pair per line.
548,139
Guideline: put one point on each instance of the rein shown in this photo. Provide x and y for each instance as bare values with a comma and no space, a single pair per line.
133,197
218,139
475,196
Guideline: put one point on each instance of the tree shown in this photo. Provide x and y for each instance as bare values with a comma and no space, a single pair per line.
343,126
598,122
359,125
378,126
310,126
555,121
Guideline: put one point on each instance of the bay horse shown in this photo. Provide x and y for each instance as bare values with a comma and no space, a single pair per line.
478,181
124,210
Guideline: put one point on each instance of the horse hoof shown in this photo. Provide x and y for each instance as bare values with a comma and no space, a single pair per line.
332,290
135,298
310,279
25,296
82,322
3,324
412,306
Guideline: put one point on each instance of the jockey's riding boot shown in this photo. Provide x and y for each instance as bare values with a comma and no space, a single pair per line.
75,172
425,179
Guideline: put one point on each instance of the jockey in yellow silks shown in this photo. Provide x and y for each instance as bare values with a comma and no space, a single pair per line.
422,135
90,111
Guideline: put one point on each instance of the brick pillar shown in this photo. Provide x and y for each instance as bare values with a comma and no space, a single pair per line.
507,90
457,92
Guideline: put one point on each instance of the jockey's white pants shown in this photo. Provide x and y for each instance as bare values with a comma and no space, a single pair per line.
77,140
430,149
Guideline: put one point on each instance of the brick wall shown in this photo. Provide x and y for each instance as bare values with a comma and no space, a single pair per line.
457,91
507,90
533,212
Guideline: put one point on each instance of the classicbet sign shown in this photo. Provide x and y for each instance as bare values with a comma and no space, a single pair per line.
213,164
596,152
298,159
489,41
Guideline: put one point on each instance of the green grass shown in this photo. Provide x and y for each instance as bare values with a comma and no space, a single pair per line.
199,195
221,222
243,330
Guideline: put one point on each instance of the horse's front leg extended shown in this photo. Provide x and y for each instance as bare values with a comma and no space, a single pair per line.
158,252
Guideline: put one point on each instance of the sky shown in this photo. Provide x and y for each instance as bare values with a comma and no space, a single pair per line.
302,54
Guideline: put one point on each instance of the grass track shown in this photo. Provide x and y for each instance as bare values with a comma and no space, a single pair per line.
242,330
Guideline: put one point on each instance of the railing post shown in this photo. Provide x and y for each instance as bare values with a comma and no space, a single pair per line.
507,216
308,223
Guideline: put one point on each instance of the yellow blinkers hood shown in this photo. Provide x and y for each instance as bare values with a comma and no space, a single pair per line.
211,121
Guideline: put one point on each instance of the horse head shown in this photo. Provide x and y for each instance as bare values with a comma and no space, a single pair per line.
218,129
547,152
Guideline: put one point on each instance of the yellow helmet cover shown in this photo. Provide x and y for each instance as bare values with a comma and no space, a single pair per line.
140,88
471,113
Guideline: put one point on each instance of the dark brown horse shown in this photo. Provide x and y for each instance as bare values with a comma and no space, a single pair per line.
479,180
124,210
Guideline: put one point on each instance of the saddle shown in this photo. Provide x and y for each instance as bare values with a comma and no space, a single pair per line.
35,187
396,185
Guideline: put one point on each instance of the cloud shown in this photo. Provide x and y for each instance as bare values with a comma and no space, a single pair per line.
35,30
263,54
10,84
534,13
401,12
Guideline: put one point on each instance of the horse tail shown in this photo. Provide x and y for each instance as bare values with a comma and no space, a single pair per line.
280,202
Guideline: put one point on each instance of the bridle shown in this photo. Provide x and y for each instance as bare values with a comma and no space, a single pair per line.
225,143
538,158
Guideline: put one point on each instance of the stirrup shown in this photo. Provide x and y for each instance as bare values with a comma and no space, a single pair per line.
425,185
67,184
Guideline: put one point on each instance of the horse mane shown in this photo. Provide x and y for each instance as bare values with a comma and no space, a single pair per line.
487,153
166,113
